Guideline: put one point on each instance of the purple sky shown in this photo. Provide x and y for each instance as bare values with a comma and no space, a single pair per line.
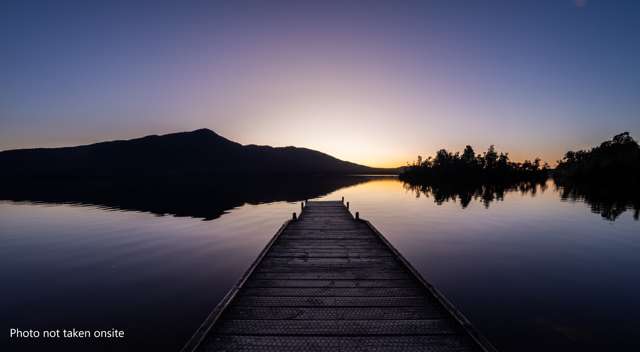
371,82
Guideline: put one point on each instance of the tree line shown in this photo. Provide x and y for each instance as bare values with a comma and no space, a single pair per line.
617,159
469,167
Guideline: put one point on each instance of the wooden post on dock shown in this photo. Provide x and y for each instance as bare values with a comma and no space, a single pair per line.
342,199
347,205
294,217
357,215
301,207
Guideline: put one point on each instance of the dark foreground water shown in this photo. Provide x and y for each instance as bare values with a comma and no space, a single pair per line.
532,271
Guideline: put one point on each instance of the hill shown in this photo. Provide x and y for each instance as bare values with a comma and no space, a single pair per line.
200,154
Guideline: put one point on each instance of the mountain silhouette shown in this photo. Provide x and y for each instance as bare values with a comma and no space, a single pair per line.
200,154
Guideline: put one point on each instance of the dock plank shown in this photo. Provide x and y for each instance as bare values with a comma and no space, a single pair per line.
314,301
336,328
334,291
335,313
432,343
335,275
331,283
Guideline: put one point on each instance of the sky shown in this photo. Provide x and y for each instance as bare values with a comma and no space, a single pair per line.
373,82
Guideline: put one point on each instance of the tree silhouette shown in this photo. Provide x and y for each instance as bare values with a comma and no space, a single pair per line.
490,157
469,156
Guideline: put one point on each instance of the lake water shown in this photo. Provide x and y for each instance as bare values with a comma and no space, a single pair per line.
532,271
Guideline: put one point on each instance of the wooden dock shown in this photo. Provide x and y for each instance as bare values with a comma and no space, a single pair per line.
329,281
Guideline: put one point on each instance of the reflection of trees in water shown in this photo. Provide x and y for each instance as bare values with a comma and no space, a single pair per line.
465,193
606,177
608,200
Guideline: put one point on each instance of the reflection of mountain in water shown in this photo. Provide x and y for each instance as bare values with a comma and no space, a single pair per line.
203,199
466,192
608,200
198,173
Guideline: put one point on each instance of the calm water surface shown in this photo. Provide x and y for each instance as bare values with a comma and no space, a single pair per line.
528,268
